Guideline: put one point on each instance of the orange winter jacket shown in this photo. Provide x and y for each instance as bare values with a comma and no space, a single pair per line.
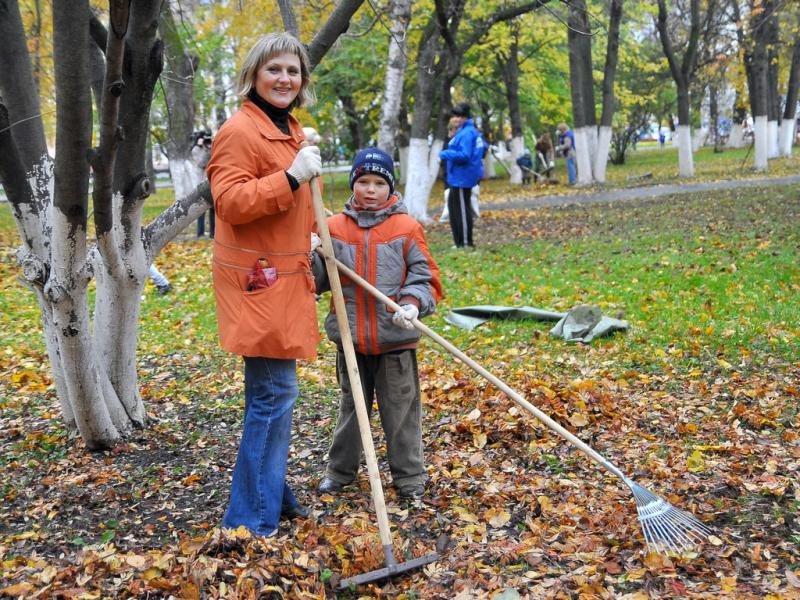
258,216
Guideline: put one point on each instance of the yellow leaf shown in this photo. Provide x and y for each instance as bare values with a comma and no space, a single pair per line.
151,573
696,463
579,420
497,518
479,439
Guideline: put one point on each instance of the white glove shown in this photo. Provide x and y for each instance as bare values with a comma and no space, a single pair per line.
307,164
405,318
316,242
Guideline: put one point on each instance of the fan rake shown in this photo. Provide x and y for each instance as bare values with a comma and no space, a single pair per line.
666,528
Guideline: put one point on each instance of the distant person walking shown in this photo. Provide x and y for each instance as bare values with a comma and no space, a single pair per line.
566,147
464,156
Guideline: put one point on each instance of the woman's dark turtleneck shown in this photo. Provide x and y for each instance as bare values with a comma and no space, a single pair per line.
279,116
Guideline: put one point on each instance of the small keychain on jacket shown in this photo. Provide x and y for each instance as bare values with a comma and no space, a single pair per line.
263,275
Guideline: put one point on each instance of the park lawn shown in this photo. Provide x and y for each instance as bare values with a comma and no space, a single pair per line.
698,402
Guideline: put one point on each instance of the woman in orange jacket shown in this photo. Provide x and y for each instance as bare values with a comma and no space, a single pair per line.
259,172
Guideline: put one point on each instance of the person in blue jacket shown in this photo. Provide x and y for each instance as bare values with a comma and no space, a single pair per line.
464,156
566,146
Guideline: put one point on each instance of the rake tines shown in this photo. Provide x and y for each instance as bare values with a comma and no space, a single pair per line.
666,529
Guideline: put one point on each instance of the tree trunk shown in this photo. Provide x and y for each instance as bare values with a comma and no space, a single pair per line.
508,65
581,87
353,120
179,100
16,81
100,419
395,71
682,74
758,80
288,18
773,97
418,180
609,74
713,118
788,124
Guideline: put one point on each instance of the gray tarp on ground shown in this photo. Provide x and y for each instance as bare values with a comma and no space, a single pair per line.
582,323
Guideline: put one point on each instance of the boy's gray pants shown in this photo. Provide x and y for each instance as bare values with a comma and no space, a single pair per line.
394,379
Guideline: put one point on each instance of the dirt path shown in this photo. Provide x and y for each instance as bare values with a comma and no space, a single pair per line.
638,193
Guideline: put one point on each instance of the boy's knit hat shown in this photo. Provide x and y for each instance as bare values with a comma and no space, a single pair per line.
375,161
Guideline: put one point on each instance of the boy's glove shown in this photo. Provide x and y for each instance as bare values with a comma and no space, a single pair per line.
307,164
316,242
405,317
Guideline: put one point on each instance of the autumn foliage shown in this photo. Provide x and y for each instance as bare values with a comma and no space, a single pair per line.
514,511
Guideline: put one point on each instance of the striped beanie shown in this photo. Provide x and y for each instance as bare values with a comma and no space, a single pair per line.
374,161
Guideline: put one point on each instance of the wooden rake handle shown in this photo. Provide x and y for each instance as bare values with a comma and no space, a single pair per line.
499,383
352,373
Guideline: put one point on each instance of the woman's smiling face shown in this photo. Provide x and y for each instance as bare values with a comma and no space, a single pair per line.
279,80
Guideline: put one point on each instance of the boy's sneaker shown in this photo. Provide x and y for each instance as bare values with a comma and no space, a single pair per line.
163,289
412,492
330,486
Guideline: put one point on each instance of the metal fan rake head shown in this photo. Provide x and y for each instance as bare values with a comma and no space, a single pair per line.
666,529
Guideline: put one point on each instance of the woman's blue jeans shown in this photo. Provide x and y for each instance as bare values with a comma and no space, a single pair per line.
259,490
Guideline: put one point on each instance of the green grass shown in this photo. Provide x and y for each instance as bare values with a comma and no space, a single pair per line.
709,281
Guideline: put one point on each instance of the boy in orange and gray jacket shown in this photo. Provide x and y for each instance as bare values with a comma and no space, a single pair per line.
377,238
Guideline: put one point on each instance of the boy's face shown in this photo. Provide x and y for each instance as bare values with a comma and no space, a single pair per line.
371,191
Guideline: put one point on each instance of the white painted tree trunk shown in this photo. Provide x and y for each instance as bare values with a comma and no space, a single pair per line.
591,134
423,164
99,419
761,143
683,134
773,150
489,166
601,157
185,175
736,136
118,306
504,158
395,70
786,137
41,179
403,152
583,146
517,148
698,138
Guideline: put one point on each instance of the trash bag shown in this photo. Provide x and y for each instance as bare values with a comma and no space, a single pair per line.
582,323
585,322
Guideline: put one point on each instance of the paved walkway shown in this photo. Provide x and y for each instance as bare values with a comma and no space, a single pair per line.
638,193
